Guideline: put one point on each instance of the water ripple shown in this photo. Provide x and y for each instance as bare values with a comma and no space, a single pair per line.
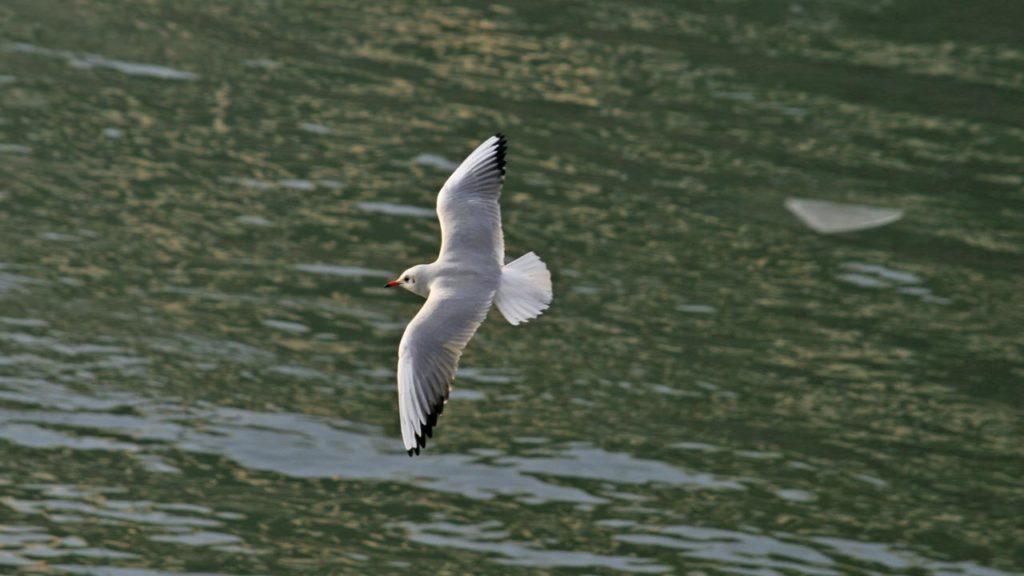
85,60
485,538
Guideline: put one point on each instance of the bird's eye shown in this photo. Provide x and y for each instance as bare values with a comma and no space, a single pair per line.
406,278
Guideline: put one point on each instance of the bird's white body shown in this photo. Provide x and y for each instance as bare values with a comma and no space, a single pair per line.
460,286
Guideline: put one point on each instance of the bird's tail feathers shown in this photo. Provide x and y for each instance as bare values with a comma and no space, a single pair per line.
525,289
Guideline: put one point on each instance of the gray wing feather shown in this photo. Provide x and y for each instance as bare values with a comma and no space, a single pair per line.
468,208
429,356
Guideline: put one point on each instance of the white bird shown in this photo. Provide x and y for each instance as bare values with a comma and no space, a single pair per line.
469,274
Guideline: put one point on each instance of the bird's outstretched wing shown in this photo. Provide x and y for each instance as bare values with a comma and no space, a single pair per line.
468,206
429,355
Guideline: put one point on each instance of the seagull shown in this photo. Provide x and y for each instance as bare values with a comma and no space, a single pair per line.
468,276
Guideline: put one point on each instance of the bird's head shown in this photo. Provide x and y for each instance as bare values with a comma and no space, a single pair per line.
414,280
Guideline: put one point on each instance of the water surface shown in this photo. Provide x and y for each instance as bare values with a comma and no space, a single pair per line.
199,203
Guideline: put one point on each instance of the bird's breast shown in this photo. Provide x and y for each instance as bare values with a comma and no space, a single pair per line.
481,276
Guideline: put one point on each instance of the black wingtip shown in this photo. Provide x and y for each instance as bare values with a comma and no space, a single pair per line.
502,149
427,430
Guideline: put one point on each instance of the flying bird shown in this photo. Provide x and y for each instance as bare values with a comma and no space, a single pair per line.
468,276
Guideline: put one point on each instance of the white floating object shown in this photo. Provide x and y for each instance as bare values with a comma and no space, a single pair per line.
835,218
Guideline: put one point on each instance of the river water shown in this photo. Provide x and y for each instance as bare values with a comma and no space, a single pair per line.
200,203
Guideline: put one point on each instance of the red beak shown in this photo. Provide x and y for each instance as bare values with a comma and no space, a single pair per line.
392,284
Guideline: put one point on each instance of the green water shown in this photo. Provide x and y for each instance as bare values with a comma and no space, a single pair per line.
200,202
